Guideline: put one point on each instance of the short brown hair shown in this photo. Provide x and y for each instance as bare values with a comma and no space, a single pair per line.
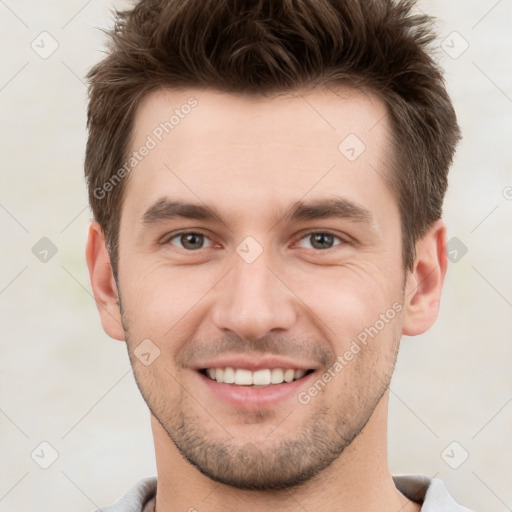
274,46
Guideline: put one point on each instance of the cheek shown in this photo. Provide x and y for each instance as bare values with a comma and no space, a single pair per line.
157,384
359,310
159,297
340,300
348,298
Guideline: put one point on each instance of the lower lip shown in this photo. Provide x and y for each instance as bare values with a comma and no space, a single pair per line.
250,397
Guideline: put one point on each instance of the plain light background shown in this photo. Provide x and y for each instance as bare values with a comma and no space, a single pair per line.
64,382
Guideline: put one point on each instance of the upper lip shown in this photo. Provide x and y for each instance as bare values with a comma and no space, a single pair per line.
253,364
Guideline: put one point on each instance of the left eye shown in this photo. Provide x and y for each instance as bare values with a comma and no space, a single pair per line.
321,240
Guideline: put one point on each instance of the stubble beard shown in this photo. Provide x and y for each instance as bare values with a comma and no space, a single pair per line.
277,462
268,465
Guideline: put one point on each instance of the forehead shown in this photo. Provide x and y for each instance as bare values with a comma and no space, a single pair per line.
244,118
208,144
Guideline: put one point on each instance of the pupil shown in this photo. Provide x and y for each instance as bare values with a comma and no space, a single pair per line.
322,238
192,241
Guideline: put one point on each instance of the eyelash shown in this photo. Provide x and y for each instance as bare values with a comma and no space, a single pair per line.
168,239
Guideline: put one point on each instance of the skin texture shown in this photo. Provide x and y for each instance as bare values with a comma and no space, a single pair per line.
250,159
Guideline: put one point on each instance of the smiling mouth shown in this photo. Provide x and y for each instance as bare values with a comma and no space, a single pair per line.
258,378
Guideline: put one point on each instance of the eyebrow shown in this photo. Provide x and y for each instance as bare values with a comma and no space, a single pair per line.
165,209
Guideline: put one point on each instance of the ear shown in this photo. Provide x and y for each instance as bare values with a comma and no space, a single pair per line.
425,282
103,282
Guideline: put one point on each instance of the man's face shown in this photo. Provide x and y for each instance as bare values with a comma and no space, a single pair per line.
269,287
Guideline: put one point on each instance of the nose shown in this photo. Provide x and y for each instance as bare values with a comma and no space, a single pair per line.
254,299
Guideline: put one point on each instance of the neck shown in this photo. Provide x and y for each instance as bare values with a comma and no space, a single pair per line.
359,480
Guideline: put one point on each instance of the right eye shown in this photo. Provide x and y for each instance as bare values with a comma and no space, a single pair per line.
188,240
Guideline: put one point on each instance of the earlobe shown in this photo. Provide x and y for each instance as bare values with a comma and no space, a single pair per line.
103,282
425,282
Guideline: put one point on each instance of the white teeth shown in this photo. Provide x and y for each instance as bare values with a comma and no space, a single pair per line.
276,376
229,375
298,374
243,377
288,375
263,377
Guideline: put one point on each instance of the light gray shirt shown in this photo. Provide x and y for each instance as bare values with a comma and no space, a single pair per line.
430,492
